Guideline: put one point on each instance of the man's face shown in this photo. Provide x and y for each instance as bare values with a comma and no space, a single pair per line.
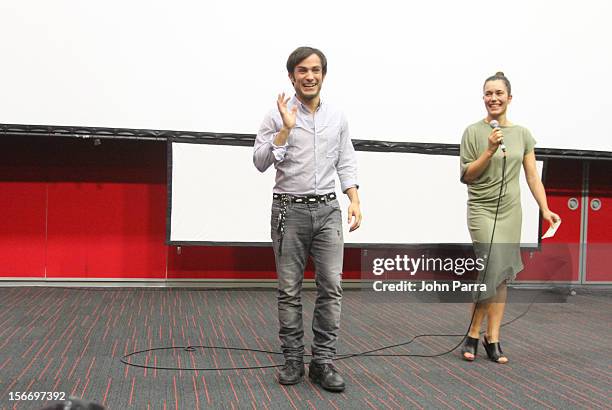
307,78
496,98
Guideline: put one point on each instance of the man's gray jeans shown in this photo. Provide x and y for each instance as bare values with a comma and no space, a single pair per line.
310,229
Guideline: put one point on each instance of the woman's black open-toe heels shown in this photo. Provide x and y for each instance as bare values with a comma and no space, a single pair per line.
494,351
469,346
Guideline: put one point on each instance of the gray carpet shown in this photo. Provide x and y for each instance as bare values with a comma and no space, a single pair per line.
72,340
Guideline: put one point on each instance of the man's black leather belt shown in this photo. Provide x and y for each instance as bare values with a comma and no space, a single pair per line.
307,199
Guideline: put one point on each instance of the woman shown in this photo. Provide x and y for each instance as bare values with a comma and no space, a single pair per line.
491,155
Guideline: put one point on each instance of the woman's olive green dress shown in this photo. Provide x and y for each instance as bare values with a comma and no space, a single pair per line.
504,261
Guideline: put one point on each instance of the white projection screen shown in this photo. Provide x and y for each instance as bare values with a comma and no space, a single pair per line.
402,71
218,197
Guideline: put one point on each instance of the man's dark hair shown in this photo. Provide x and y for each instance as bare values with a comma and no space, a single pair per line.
302,53
500,76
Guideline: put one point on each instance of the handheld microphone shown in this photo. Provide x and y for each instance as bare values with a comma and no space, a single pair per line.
495,124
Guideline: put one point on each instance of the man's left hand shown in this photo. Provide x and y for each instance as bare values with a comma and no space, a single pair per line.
354,216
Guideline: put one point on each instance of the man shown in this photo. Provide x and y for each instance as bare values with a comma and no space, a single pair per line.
308,142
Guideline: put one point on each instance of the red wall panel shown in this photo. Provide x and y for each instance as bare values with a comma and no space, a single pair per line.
105,206
23,201
106,230
107,210
242,263
599,238
22,229
220,262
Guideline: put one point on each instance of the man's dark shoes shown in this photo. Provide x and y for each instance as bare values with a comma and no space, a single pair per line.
292,372
325,375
